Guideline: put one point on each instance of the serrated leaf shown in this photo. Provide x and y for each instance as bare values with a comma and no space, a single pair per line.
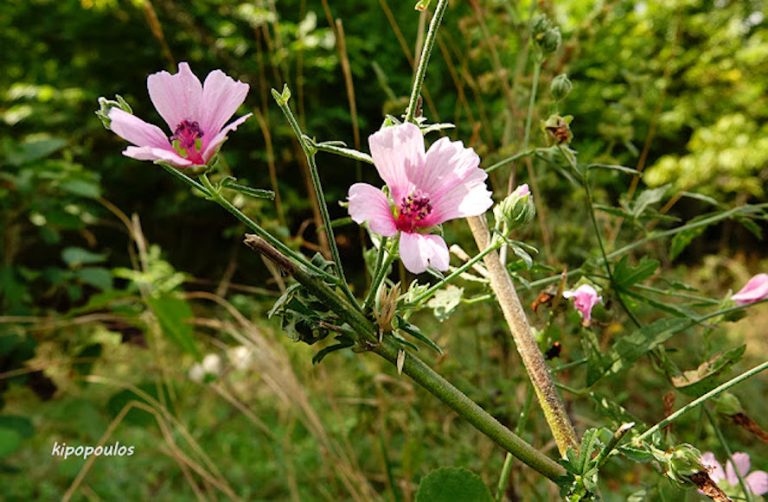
452,484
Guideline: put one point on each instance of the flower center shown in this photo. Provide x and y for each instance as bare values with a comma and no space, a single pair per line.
187,134
412,211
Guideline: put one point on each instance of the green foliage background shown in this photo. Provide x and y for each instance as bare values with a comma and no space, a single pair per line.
114,280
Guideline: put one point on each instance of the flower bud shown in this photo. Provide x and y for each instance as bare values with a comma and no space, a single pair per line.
546,36
684,461
517,209
728,404
551,40
105,105
559,129
560,87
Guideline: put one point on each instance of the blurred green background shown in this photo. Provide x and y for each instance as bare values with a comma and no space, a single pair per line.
115,281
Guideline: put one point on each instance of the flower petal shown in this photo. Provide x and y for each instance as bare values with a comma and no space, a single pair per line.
757,482
369,204
455,183
153,154
210,149
177,97
420,251
222,96
585,298
132,128
469,197
741,460
714,467
755,290
397,151
445,164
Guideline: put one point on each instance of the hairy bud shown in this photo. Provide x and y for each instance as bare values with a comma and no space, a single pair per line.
684,461
560,87
517,209
546,35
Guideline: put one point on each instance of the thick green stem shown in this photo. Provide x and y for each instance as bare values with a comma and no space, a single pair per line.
474,414
702,399
367,338
421,70
533,359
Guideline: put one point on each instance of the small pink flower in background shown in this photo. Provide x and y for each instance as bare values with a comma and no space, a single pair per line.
584,299
756,481
755,290
195,113
426,189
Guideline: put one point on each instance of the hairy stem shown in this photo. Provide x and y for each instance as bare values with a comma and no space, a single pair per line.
533,359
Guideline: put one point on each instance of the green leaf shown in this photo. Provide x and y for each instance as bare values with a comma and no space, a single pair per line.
613,167
256,193
34,150
83,188
680,241
415,332
173,313
629,349
704,378
626,275
74,257
98,277
648,198
452,484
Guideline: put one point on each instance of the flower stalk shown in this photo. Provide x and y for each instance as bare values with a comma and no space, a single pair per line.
310,151
426,51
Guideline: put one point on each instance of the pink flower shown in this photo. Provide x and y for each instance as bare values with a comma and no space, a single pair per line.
195,113
756,481
425,189
584,299
754,291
